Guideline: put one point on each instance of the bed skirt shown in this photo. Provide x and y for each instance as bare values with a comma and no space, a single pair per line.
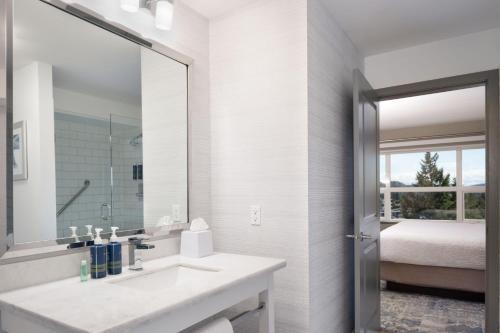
435,277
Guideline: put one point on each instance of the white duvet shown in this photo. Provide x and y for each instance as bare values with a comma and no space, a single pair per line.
444,244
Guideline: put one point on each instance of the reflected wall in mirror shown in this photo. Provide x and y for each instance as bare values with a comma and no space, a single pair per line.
105,123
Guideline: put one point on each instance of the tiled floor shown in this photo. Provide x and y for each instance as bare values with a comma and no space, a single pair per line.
416,313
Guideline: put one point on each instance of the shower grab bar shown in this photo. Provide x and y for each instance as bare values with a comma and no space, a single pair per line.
86,185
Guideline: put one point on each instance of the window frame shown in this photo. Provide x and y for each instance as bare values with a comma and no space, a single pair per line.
459,189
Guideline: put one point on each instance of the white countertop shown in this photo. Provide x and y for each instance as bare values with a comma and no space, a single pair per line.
98,306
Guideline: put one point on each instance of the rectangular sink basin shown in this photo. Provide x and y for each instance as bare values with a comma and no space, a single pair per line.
166,278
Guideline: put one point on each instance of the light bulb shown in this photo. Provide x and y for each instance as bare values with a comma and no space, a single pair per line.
131,6
164,15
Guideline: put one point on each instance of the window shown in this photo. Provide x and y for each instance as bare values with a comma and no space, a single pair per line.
443,184
474,167
382,208
424,205
405,168
475,206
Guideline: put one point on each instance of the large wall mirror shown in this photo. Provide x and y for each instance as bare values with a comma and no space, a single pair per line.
99,129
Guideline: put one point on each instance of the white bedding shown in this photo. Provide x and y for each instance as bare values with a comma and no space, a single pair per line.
444,244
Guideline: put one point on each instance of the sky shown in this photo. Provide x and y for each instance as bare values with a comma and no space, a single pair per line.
404,167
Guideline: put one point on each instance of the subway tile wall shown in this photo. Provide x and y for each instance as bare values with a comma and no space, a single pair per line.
83,152
127,193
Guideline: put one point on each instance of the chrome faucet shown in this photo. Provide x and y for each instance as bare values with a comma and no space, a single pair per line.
135,248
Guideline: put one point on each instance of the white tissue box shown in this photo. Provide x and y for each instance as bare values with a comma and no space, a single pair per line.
196,244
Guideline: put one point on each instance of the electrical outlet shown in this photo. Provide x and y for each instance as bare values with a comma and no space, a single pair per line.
176,213
255,215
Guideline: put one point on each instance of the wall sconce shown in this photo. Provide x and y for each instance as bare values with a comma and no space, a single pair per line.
163,10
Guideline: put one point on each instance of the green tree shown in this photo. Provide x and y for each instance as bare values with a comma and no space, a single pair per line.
437,205
475,206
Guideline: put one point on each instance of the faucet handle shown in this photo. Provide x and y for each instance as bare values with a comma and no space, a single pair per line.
137,240
141,246
134,240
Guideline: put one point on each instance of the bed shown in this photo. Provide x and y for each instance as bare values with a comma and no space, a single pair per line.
442,255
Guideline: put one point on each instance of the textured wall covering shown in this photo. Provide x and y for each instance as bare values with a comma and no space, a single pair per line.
331,61
281,107
258,102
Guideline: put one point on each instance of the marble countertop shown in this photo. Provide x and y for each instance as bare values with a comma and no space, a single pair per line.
99,306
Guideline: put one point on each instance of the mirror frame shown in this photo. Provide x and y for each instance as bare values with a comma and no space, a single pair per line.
50,248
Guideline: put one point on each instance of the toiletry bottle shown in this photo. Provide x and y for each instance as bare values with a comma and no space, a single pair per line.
90,235
98,257
75,243
74,235
114,254
84,271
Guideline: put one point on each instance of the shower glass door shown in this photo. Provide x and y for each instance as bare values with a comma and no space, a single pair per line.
126,168
98,172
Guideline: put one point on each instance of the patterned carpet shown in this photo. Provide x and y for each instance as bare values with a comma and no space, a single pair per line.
416,313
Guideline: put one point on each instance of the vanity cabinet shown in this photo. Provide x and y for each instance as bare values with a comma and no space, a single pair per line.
151,301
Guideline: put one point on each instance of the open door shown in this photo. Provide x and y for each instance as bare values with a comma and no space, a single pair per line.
366,235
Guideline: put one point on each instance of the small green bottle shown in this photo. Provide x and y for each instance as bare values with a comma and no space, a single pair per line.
84,271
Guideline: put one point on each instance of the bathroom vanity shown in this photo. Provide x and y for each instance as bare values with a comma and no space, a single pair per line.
169,295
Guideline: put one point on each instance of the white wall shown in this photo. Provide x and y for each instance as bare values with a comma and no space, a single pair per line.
35,198
331,60
164,125
461,55
258,101
97,107
281,106
464,128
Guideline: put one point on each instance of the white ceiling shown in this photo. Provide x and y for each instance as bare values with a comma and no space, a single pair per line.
377,26
433,109
215,8
85,58
383,25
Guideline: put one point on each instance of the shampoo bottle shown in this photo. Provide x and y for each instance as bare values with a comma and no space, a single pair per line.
98,257
114,254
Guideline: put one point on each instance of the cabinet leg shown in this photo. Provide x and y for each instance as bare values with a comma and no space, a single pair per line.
266,324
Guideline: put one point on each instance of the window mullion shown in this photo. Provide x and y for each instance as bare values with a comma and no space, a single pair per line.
460,192
387,194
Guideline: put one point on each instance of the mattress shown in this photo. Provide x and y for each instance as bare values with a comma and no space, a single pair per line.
442,244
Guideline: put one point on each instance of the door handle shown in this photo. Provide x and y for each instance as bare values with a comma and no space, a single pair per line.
361,237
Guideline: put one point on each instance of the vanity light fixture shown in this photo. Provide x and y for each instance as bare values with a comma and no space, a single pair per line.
162,10
164,14
131,6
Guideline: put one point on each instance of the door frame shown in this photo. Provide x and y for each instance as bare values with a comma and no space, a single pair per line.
490,80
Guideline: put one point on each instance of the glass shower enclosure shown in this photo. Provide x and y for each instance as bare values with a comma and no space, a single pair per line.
98,172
